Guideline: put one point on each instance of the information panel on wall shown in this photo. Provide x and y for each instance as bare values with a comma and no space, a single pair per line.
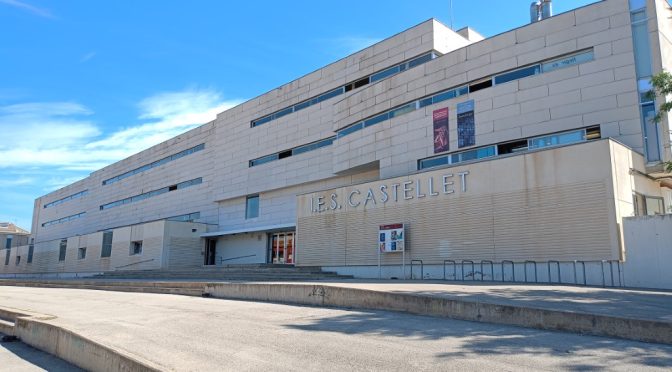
391,238
466,129
440,119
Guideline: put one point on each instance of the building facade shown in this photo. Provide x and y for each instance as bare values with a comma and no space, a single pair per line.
540,131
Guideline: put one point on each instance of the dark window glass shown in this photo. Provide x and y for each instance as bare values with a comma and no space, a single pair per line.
7,253
61,249
420,60
385,73
444,96
263,160
263,120
332,94
479,86
361,83
376,119
107,244
31,249
8,242
252,207
426,102
435,162
301,106
285,154
518,74
349,130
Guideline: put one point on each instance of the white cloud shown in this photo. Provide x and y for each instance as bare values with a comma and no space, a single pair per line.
30,8
62,135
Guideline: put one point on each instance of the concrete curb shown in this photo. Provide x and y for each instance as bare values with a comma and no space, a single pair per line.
74,348
325,295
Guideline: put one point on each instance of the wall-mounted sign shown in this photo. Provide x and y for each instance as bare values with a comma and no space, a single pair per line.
391,238
466,128
441,139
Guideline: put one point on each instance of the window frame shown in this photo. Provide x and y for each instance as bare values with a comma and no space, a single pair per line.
249,213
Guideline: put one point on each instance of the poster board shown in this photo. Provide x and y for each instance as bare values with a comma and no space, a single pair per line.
391,238
466,128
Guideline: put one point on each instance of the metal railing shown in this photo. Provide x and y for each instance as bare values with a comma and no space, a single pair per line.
554,269
221,260
134,263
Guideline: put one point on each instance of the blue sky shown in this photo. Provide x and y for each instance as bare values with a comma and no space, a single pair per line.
86,83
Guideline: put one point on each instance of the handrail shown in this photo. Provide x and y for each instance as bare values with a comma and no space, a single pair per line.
234,258
536,278
549,271
492,269
473,269
422,269
454,269
134,263
513,270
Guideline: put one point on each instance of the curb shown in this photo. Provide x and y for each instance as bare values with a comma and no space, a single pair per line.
554,320
76,349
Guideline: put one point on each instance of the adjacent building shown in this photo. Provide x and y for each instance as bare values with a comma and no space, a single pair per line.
533,144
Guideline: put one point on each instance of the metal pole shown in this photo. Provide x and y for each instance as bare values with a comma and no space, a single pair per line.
451,15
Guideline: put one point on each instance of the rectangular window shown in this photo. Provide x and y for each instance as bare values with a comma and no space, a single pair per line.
18,260
107,244
31,249
557,139
81,253
640,40
8,242
150,194
7,253
655,206
252,207
567,61
61,250
136,248
518,74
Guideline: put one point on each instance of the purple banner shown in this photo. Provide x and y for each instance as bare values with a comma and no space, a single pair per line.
441,139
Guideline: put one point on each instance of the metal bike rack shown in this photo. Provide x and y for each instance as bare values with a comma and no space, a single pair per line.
473,269
492,269
549,271
536,278
583,264
454,269
513,270
422,269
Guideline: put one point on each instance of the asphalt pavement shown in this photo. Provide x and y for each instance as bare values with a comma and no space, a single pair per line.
200,334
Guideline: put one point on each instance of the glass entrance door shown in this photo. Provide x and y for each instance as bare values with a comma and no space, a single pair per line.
282,248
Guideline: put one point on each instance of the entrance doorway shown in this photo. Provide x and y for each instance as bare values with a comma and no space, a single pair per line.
282,248
210,252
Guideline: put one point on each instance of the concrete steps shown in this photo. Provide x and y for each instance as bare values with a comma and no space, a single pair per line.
259,272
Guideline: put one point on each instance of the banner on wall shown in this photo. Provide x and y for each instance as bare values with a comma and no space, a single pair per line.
440,118
391,238
466,128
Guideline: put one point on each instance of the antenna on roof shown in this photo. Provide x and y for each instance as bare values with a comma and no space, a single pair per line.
451,15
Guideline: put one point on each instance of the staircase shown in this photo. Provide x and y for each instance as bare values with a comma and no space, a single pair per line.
255,272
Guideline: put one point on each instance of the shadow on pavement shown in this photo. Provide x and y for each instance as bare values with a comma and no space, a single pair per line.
491,339
29,356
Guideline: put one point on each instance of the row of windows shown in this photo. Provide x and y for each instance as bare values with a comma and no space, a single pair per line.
558,139
151,194
106,251
506,77
189,217
64,219
291,152
155,164
67,198
345,88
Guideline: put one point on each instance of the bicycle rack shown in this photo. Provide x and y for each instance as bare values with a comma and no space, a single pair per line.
536,278
549,271
492,269
422,269
513,270
454,269
473,269
583,264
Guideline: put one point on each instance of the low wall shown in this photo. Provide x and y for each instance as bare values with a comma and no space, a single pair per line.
648,247
324,295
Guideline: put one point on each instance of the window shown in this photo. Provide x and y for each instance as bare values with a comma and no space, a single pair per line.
31,249
81,253
190,217
517,74
155,164
557,139
150,194
106,250
291,152
18,260
480,85
640,41
136,248
7,253
252,207
648,205
64,219
67,198
8,242
61,250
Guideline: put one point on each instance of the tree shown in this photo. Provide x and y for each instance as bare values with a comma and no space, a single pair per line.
662,85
